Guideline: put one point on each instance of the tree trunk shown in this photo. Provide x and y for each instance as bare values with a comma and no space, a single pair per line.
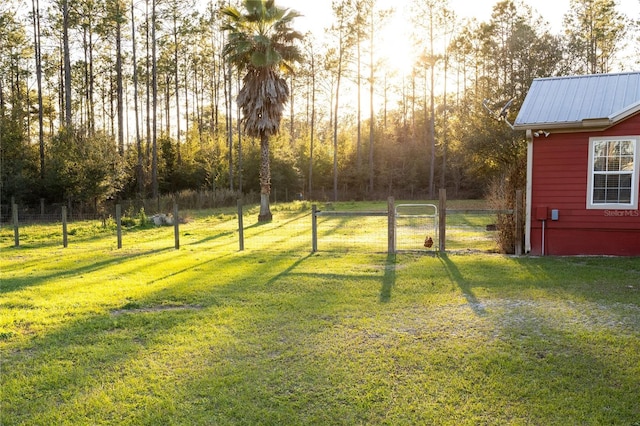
371,112
147,74
359,100
265,180
139,170
119,83
177,86
291,114
335,136
239,155
443,179
154,89
432,112
229,120
91,107
67,63
313,120
38,58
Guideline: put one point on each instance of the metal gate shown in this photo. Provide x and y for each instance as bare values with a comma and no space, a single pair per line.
416,227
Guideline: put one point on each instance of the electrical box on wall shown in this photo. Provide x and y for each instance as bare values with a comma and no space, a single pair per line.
554,214
541,213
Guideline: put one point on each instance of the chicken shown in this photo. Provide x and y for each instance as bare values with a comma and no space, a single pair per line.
428,242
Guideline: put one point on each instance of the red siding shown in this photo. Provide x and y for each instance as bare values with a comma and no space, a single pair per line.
559,181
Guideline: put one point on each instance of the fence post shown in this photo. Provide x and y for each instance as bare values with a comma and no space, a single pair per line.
14,217
442,220
119,224
391,226
314,228
518,221
64,227
240,226
42,208
176,226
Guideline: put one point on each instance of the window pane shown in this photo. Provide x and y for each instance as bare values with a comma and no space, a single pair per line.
626,164
612,188
613,181
612,195
627,148
614,148
612,169
599,180
598,196
600,149
625,195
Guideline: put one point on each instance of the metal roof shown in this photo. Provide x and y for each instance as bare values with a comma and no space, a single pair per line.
588,101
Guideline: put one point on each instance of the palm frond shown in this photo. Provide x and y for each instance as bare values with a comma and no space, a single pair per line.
262,42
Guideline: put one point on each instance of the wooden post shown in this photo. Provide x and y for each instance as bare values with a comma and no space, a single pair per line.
442,220
64,227
240,226
176,226
518,220
119,224
42,208
314,228
14,217
391,226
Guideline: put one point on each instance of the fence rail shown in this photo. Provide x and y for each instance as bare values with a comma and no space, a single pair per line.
454,227
63,218
458,230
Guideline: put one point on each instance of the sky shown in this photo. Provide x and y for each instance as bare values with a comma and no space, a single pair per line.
318,12
317,16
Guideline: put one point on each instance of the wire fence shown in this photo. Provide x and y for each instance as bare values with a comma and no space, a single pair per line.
465,231
297,228
350,231
471,230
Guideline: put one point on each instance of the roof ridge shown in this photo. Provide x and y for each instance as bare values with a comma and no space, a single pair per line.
597,75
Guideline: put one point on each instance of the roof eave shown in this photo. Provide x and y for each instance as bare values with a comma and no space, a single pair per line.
565,127
588,124
625,113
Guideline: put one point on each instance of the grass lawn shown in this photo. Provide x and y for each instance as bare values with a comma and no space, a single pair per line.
208,334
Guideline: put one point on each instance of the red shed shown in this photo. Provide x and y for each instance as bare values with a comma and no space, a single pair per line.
583,165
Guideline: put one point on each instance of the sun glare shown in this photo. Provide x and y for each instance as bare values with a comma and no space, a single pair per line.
395,50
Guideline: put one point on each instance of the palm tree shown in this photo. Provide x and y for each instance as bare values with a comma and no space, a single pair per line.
261,43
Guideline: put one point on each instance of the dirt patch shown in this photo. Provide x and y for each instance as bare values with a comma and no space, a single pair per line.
159,308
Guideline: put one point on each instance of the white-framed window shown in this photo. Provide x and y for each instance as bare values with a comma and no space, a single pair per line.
613,172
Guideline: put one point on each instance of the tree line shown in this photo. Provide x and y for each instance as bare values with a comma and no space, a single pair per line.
105,99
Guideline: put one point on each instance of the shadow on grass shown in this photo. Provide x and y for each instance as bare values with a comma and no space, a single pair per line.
55,240
78,233
389,279
284,358
79,356
274,225
187,269
456,276
211,238
290,268
14,284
